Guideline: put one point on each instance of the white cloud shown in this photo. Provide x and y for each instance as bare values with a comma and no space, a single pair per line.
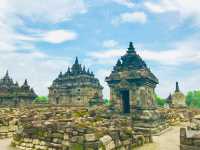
180,53
172,57
182,8
39,68
53,36
169,76
168,66
110,44
106,55
101,74
12,12
46,11
127,3
59,36
18,52
134,17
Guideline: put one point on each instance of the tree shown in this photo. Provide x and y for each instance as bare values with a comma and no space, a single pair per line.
193,99
41,99
160,101
189,97
107,102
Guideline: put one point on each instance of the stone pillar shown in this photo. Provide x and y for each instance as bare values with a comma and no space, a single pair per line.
182,135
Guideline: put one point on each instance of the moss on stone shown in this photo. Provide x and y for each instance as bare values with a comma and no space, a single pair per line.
76,146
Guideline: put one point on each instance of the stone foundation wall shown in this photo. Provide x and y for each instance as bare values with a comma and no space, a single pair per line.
8,122
64,128
188,142
7,131
75,140
76,128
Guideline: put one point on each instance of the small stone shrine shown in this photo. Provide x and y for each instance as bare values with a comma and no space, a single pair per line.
132,91
177,99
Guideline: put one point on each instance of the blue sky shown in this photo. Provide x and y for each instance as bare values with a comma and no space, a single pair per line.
38,39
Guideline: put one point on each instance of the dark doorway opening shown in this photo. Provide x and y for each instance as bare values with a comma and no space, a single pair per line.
125,101
57,100
15,103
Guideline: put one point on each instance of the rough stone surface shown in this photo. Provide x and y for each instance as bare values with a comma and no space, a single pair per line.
56,127
75,87
177,99
132,91
131,74
11,94
190,137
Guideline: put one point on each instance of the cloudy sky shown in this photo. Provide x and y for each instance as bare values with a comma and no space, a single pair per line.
40,38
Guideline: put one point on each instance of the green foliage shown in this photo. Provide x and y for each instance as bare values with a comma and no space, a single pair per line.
160,101
193,99
94,101
41,99
98,101
107,102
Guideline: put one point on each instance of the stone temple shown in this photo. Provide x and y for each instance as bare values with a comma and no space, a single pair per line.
132,83
77,86
177,99
132,91
14,95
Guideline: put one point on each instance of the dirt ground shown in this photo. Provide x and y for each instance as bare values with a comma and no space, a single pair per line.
5,145
167,141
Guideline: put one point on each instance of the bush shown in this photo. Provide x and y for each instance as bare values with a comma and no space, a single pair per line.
107,102
41,100
193,99
160,101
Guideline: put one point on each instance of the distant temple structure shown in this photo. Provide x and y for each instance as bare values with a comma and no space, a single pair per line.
177,99
132,91
77,86
12,94
132,83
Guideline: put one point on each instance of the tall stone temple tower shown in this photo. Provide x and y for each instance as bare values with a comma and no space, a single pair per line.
132,91
76,87
177,99
132,83
12,94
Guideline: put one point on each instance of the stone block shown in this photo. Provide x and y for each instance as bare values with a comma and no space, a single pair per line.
106,139
90,137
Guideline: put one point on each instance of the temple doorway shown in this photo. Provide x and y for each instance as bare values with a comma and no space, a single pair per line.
125,101
57,100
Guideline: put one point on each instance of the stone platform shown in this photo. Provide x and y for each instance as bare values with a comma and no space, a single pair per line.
76,128
68,127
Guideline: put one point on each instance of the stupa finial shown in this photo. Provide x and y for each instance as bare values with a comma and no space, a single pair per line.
177,87
76,61
131,48
7,74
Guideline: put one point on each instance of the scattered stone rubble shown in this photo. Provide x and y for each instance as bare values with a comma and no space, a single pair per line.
190,137
8,122
174,116
76,128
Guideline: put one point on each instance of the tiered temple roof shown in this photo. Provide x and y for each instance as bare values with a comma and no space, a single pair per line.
9,89
77,75
133,65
